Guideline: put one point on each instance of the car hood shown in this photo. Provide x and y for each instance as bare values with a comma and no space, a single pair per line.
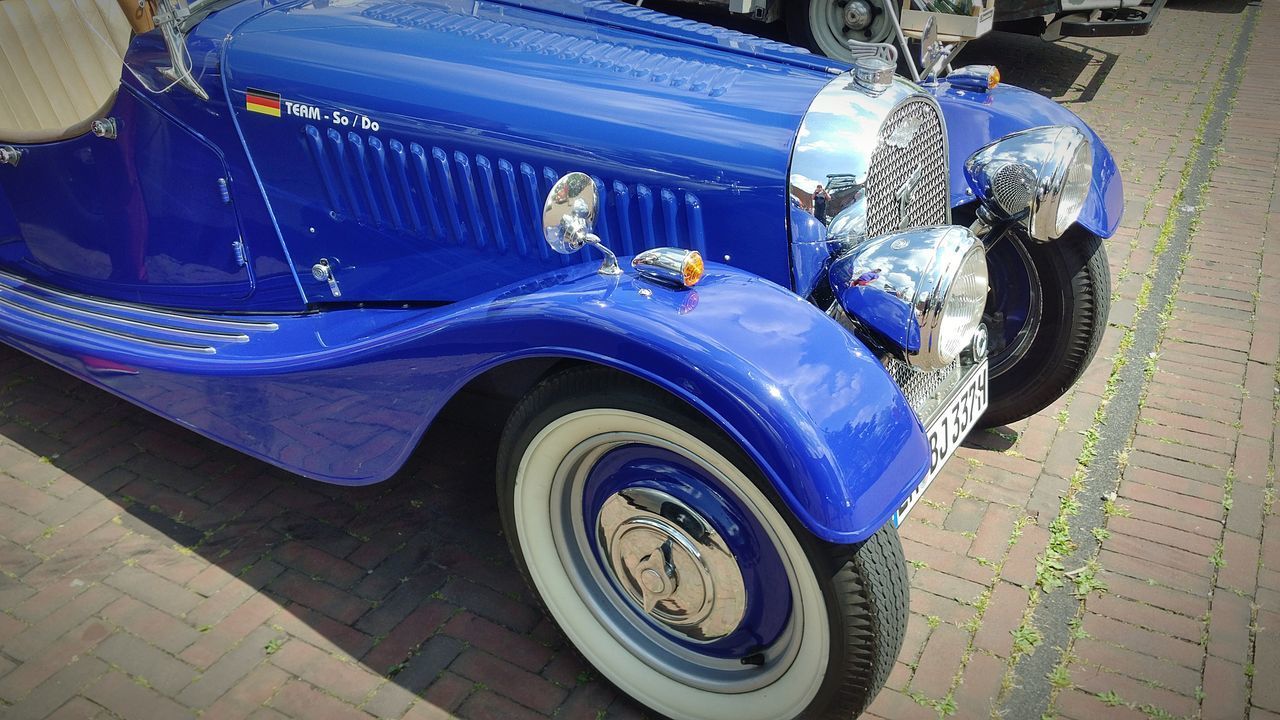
414,140
612,13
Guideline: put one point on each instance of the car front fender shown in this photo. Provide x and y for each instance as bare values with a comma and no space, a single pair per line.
977,118
802,396
345,394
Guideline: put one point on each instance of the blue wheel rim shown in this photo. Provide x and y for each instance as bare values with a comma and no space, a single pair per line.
768,597
762,646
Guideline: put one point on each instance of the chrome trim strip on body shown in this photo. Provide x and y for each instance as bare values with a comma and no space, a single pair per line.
247,325
167,344
167,329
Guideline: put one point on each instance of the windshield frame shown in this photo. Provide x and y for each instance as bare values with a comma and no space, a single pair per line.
198,10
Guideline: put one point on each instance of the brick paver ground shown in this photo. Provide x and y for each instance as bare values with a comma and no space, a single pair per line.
149,573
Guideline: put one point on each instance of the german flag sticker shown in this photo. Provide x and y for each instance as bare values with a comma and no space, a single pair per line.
261,101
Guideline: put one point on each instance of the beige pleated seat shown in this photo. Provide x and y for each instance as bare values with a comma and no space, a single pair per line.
60,63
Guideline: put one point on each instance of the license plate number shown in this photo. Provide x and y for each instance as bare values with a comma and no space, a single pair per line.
947,431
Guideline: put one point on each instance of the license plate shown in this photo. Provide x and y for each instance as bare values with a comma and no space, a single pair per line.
948,430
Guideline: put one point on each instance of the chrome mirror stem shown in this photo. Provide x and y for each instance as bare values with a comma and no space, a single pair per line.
609,266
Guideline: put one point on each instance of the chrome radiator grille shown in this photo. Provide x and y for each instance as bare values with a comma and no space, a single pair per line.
907,181
923,390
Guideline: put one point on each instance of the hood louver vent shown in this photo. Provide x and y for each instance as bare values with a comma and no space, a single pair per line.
643,65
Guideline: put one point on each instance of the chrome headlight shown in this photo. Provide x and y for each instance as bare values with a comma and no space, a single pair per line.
923,290
1040,175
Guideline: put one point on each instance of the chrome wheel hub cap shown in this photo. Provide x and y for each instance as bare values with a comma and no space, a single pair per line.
671,563
857,15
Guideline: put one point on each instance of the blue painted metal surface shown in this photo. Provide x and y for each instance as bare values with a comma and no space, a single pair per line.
138,218
767,597
417,140
275,286
810,251
343,396
976,118
9,232
639,19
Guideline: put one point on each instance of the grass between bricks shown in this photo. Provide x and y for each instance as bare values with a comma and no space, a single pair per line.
946,705
1059,677
1051,573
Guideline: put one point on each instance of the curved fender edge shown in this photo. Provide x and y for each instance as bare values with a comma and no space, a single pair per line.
975,119
802,396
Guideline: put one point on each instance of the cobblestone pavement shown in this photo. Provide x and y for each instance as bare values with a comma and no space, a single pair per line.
1116,556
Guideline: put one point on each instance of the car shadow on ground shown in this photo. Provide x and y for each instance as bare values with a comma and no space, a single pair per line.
1215,6
997,439
1064,70
377,571
404,576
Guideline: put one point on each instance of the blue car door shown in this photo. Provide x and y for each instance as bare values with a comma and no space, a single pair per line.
147,216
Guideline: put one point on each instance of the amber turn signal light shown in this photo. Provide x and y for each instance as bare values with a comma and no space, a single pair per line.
673,266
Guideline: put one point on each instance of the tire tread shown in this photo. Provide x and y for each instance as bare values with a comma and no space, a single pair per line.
873,583
1078,262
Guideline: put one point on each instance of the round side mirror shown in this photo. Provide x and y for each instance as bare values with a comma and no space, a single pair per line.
569,214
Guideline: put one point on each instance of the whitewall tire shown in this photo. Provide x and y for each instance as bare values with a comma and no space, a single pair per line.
667,560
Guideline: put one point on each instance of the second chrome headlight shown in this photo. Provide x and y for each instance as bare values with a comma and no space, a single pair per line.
1040,175
922,290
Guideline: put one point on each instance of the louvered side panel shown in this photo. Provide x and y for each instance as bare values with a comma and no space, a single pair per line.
620,203
487,187
448,194
637,217
490,206
404,186
380,180
357,166
474,229
338,150
693,216
521,229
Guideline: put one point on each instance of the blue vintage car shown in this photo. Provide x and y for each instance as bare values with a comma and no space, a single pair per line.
739,303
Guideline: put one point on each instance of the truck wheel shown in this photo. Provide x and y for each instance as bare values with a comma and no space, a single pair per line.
667,559
1048,311
825,26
